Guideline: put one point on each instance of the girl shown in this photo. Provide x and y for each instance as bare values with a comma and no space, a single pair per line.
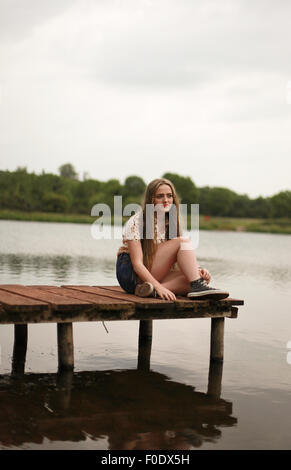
151,261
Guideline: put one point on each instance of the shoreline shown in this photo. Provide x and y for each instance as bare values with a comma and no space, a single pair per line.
280,226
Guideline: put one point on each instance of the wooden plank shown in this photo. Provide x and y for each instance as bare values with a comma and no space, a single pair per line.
95,303
62,316
183,303
57,302
142,303
69,308
101,302
95,313
183,300
234,312
173,314
18,303
188,308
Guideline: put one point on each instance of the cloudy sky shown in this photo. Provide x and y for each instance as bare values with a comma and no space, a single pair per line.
123,87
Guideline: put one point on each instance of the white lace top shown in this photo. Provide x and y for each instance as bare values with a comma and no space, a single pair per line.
133,230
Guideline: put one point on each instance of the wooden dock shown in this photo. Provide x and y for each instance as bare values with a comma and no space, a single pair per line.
64,305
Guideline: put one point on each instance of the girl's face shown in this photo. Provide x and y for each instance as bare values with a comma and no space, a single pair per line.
164,197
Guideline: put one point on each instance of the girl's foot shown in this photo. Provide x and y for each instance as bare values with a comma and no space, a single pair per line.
146,289
200,290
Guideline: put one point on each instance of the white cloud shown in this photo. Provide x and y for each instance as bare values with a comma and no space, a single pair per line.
142,87
18,17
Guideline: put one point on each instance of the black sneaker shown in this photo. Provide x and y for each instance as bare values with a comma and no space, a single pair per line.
200,290
146,289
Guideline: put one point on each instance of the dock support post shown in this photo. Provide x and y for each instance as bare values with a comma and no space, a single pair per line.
19,349
65,346
64,385
215,379
217,339
145,344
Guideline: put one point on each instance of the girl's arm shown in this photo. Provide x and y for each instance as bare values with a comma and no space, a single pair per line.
136,256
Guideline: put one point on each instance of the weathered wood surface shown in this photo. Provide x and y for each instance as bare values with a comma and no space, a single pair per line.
57,301
115,292
180,302
19,349
71,303
144,344
64,305
65,346
18,303
217,339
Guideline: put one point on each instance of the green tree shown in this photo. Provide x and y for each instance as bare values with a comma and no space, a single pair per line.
25,191
110,189
133,190
185,187
21,169
216,201
134,186
240,205
53,202
260,207
83,193
68,171
281,204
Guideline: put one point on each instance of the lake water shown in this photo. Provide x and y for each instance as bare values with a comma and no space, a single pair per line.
109,403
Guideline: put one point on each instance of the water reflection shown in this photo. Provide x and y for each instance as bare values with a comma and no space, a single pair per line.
65,268
134,409
50,268
255,269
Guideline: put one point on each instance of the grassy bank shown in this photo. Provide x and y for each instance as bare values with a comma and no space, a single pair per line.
45,217
246,225
206,223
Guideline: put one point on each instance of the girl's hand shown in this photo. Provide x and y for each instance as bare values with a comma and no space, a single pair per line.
205,275
165,293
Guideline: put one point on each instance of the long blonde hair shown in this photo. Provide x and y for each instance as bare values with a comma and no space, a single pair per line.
149,246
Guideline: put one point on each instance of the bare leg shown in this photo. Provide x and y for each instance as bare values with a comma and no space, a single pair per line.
178,250
176,282
187,261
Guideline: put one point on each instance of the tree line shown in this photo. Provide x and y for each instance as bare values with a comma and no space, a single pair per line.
65,193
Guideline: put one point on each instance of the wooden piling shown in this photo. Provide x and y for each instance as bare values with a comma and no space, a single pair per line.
19,349
144,344
217,339
65,346
64,385
215,379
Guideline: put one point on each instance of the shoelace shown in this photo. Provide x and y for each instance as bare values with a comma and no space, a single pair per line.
203,283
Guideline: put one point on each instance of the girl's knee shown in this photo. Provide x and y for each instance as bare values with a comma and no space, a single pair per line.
185,239
182,243
179,240
185,244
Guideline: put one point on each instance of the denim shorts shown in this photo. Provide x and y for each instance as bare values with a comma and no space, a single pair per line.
125,274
